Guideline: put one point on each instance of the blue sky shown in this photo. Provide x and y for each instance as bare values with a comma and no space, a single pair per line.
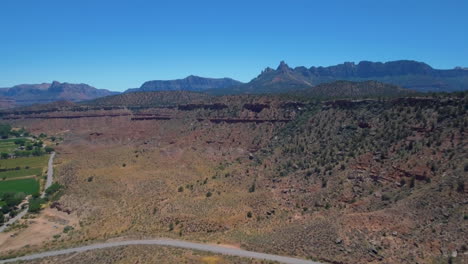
120,44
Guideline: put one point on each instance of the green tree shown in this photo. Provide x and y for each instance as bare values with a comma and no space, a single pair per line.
5,130
20,141
48,149
37,152
35,205
6,209
55,187
13,199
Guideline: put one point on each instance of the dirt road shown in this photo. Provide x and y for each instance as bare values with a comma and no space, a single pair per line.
170,243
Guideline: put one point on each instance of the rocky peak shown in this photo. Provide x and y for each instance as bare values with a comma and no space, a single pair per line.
267,70
283,67
192,77
55,83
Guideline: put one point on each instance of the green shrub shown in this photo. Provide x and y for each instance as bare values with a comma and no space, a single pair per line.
412,182
13,199
461,186
48,149
55,187
5,130
35,205
386,197
37,151
67,229
252,188
5,209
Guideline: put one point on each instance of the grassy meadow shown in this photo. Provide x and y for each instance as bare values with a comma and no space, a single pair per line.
20,173
27,186
32,162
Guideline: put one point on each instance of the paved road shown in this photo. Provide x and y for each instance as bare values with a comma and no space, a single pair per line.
170,243
50,174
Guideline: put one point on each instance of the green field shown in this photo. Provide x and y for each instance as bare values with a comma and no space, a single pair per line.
20,173
28,186
32,162
11,140
7,147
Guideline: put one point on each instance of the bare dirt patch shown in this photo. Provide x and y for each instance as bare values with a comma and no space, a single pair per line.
48,223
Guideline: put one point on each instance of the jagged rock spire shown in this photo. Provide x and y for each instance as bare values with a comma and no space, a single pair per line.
283,67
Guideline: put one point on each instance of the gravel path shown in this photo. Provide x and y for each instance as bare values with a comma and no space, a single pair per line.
50,174
14,219
170,243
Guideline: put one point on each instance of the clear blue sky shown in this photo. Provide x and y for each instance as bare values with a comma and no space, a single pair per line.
120,44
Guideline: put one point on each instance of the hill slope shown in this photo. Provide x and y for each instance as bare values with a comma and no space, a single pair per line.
341,181
160,98
349,89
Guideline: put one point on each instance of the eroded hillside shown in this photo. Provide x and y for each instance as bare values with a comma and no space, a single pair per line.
345,181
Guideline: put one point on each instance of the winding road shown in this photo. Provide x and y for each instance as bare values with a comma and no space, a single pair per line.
50,175
169,243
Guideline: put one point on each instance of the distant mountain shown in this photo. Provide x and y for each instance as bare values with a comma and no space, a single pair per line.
27,94
412,75
283,79
191,83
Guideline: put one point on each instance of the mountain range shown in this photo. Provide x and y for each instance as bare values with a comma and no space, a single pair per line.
417,76
27,94
413,75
